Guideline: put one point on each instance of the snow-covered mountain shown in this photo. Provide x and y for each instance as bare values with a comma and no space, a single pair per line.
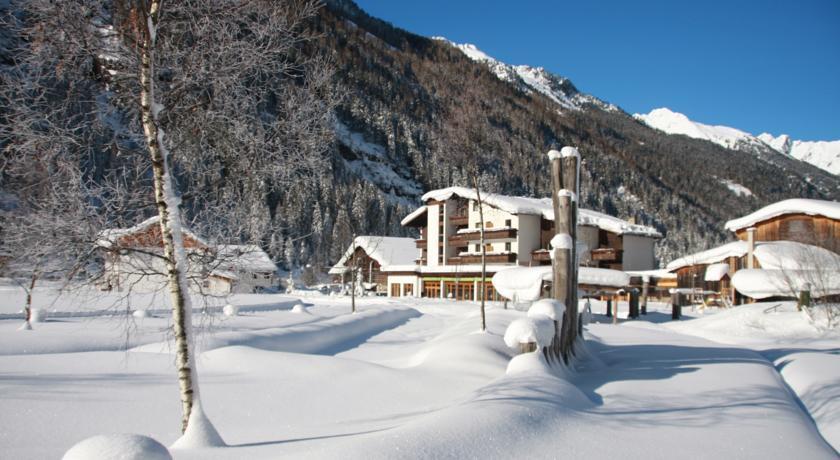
824,155
557,88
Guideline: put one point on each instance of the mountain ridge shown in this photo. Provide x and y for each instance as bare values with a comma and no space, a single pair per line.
822,154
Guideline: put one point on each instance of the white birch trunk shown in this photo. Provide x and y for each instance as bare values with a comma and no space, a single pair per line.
167,202
483,253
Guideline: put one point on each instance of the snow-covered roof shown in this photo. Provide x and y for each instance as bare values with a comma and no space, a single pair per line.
541,207
386,250
715,272
761,284
770,254
235,259
414,214
646,275
109,236
810,207
525,283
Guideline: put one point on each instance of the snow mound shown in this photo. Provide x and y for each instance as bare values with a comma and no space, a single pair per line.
230,310
142,313
300,308
37,315
200,432
539,330
551,308
528,363
118,447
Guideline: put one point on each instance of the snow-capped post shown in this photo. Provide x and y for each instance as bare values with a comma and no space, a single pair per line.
552,310
645,287
617,297
562,245
609,308
751,247
167,202
571,182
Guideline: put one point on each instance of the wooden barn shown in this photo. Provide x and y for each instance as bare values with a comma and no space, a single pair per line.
814,222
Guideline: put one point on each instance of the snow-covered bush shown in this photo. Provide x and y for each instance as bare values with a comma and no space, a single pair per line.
539,330
551,308
118,447
230,310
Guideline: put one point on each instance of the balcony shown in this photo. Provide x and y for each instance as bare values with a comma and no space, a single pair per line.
459,220
421,244
606,254
459,239
476,259
541,255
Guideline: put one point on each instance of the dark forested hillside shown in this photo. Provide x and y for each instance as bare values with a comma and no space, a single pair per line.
405,108
404,92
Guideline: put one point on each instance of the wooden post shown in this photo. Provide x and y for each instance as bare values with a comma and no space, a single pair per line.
676,306
527,347
633,297
570,159
560,260
645,287
609,308
617,298
804,297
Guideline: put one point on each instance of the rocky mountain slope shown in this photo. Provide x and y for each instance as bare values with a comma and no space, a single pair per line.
404,90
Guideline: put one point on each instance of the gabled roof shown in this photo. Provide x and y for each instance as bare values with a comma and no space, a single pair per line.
386,250
242,259
789,255
806,206
108,237
538,206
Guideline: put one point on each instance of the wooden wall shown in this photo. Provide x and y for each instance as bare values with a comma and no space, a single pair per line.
817,230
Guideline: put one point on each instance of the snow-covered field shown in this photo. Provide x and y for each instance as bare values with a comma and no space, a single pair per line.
413,378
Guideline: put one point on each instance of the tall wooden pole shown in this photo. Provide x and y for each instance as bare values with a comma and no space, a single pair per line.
564,179
571,177
559,287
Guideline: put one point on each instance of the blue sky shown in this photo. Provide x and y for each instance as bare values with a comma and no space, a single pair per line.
754,65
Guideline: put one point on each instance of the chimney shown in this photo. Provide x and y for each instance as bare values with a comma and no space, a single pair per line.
751,247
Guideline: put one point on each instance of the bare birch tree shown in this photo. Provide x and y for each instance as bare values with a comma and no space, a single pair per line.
216,101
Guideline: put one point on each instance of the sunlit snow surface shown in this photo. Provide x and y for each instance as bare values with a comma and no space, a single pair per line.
414,378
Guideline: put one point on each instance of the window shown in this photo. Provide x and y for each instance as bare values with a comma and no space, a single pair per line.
477,248
508,223
507,246
475,205
488,224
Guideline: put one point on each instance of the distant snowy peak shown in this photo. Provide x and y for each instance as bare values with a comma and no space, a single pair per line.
558,89
824,155
670,122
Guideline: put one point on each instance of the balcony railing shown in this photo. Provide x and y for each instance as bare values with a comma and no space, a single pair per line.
459,239
459,219
541,255
607,254
476,259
